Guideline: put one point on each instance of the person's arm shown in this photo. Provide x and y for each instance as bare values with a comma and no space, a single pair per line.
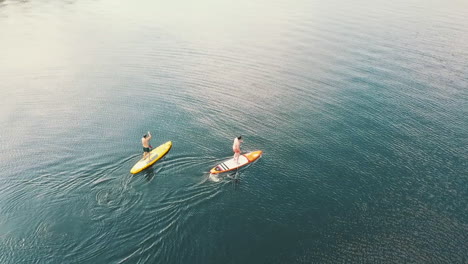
149,135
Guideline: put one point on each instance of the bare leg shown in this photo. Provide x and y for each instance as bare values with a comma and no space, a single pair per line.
236,157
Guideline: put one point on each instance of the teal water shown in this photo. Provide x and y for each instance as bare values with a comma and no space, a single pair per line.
361,110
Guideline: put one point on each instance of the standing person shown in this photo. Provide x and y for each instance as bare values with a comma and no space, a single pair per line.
236,148
145,141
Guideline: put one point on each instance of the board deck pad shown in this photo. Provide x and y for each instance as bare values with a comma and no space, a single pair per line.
232,164
152,157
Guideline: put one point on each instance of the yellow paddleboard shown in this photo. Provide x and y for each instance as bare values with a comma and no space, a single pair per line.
155,155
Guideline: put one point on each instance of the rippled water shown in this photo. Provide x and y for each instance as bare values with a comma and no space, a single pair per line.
361,110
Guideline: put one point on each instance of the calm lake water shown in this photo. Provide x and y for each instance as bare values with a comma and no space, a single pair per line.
360,107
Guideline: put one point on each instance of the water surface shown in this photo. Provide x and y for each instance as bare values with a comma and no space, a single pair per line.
360,108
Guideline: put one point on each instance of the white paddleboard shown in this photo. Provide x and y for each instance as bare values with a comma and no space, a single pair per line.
232,164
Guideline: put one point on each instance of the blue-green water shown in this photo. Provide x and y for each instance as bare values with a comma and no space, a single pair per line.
361,110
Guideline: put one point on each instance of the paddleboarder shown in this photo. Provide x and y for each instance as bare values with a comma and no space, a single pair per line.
236,148
145,141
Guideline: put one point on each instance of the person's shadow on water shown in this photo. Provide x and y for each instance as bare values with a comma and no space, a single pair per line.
235,177
149,173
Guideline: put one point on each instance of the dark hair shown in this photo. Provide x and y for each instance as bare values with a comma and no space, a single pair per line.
239,137
145,135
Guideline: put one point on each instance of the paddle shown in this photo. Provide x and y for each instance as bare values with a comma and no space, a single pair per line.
149,140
